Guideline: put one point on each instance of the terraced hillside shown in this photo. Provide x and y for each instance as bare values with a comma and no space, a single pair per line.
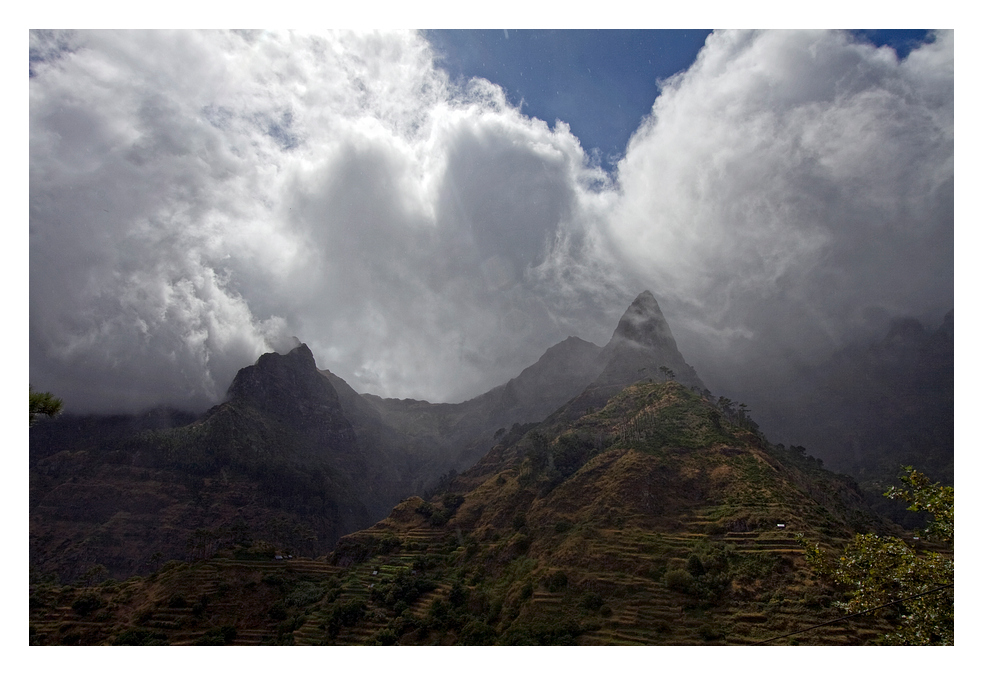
657,519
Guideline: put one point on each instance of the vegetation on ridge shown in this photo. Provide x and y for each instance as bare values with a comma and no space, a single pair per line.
653,520
911,580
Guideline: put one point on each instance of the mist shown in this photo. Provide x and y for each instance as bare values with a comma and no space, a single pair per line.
200,198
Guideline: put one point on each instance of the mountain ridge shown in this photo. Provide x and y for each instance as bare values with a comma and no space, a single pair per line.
303,445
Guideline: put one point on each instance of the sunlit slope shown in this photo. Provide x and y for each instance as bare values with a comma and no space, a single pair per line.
654,520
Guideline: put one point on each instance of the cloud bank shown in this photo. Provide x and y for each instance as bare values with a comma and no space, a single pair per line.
199,198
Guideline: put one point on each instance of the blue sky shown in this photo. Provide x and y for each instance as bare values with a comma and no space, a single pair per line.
405,204
600,82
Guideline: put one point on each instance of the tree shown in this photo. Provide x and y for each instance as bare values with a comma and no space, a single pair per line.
916,587
43,403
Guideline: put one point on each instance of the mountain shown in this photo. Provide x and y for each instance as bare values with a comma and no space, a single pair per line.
294,456
872,408
642,344
658,518
601,496
278,461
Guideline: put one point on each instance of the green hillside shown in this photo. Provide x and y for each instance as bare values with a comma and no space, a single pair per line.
652,520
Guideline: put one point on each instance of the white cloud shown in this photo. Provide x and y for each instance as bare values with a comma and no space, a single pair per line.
794,178
198,198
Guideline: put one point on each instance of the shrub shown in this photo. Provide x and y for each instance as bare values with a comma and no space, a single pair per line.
477,632
678,580
305,593
348,613
591,601
562,526
385,637
526,592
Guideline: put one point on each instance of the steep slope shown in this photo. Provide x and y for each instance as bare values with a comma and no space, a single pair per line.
438,437
653,520
279,461
460,434
872,409
641,345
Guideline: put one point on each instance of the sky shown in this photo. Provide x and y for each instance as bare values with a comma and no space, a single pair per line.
430,212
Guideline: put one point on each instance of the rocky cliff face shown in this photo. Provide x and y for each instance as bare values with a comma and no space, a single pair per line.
641,345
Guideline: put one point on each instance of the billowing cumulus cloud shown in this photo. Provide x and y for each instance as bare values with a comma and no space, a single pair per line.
200,198
792,190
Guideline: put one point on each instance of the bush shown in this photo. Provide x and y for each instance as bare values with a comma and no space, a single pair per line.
385,637
348,613
305,593
477,632
591,602
678,580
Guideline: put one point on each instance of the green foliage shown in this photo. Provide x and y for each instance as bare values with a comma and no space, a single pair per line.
43,403
879,571
348,613
386,637
933,498
542,632
671,417
477,632
305,593
678,580
404,588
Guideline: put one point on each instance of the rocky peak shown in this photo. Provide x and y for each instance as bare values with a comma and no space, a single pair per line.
642,344
288,386
644,324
